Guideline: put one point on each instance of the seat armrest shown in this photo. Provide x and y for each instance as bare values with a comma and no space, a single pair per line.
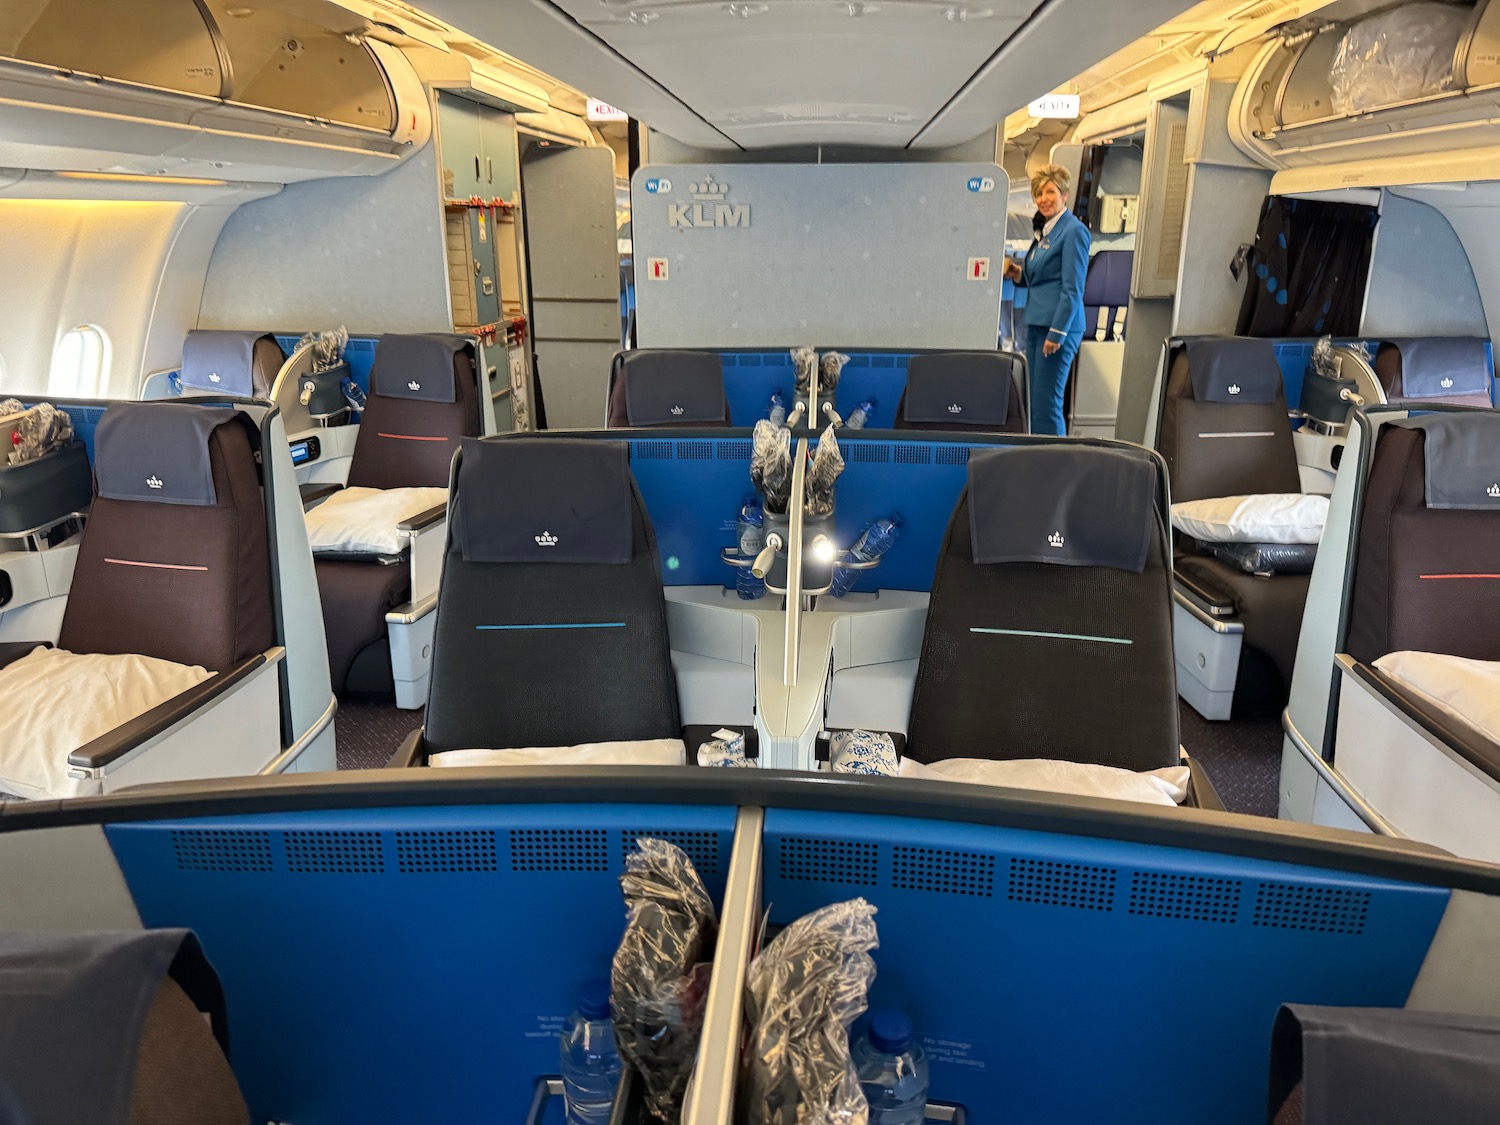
1466,741
315,494
1201,791
1218,602
411,754
423,520
115,744
11,651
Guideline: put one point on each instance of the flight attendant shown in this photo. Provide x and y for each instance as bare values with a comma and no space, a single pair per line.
1053,275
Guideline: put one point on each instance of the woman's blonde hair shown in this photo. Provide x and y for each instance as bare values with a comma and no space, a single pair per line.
1054,174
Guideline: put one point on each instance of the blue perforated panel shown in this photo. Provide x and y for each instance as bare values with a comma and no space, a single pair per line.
403,965
1071,980
693,489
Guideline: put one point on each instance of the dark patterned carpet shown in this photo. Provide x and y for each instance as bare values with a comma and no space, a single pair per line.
1243,757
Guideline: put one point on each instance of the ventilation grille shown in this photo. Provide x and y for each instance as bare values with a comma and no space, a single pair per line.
425,853
559,849
1191,898
199,849
1174,204
913,454
334,853
867,451
952,455
1318,910
733,450
695,451
701,846
829,861
1047,883
946,872
653,450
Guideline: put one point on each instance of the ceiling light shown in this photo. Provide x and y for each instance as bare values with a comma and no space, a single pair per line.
962,13
133,178
745,11
239,13
859,8
643,18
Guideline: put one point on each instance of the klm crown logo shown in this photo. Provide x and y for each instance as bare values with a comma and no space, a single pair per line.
1494,490
1234,388
1056,539
709,190
1446,383
954,408
214,378
414,386
153,482
676,410
546,539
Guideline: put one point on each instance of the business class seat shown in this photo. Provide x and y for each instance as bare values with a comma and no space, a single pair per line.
236,364
1453,370
423,399
551,621
175,565
964,391
666,388
1225,431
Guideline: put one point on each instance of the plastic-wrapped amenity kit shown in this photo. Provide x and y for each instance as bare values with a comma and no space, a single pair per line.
833,367
771,464
822,474
37,432
804,363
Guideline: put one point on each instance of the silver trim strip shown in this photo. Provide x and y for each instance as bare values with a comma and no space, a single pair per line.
1217,624
794,564
279,763
1357,804
412,611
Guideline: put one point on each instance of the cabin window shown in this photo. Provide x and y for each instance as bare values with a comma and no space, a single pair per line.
78,363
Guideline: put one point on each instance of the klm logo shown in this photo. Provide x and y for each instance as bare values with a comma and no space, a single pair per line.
545,539
214,378
1446,383
1056,539
676,410
1234,388
153,482
711,208
954,408
414,386
1493,490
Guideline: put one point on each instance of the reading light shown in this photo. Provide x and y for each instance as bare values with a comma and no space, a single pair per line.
823,549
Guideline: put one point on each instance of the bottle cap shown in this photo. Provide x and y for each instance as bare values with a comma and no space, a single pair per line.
890,1031
593,999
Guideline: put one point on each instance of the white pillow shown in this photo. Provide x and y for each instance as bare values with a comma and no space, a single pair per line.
55,701
645,752
363,520
1167,786
1272,517
1469,690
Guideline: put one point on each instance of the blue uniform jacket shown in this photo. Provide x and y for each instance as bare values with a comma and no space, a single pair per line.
1053,274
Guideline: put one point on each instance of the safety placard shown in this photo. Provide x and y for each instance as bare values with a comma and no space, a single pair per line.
979,269
656,269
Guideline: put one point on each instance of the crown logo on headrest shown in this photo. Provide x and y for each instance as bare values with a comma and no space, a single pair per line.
1234,388
676,410
1494,490
709,190
153,482
413,385
546,539
1056,539
954,408
1446,383
214,377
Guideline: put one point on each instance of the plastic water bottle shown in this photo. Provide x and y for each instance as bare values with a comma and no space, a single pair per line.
777,413
860,415
877,539
352,394
752,532
892,1070
590,1060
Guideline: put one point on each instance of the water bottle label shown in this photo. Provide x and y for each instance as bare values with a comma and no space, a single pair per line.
750,542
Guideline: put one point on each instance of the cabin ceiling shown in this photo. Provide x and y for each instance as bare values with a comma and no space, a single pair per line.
768,73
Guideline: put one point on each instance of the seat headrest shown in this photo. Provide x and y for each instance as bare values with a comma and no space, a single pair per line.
673,387
416,367
970,387
1071,506
1107,282
545,500
1462,454
157,452
1234,369
1441,367
221,362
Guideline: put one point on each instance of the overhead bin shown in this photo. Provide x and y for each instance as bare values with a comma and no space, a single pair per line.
212,89
557,125
1301,103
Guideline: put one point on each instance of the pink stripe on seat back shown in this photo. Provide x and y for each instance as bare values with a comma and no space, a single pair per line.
154,566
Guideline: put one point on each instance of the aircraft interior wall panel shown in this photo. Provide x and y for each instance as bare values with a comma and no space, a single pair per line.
364,252
1421,280
1223,209
861,255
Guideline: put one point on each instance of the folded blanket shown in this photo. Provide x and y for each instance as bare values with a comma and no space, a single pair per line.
363,520
645,752
1167,786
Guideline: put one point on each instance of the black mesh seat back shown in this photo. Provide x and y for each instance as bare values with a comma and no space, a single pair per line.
409,442
672,375
551,654
950,370
988,686
1224,448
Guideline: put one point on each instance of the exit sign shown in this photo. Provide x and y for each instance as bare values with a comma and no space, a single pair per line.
1055,105
603,111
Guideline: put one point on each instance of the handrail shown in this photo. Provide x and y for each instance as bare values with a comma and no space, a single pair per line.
794,563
